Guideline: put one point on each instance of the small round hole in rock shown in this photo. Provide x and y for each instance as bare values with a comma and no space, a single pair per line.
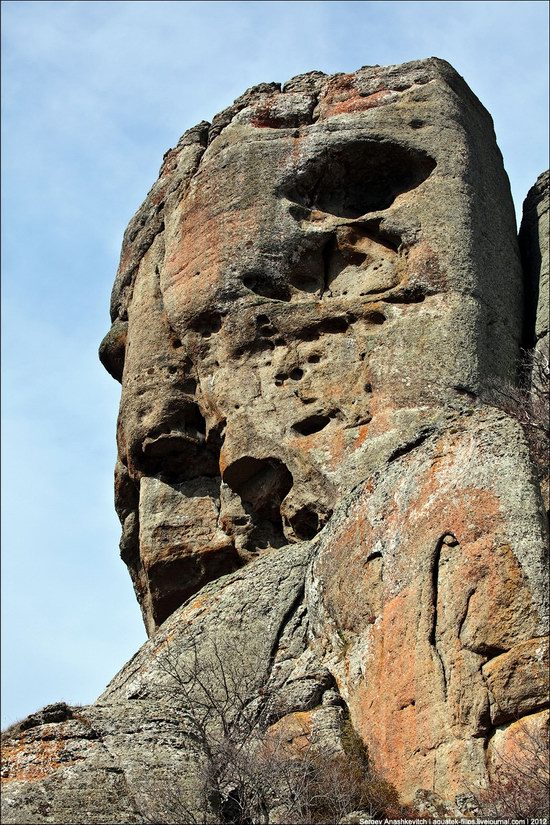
296,374
375,318
305,524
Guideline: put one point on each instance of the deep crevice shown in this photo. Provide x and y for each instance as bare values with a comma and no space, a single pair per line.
433,636
407,295
327,255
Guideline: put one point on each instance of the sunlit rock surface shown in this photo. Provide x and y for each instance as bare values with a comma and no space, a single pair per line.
310,306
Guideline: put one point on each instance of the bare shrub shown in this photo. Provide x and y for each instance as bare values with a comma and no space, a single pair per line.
520,785
528,401
246,770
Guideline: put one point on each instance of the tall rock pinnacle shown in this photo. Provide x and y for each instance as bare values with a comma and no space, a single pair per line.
308,274
319,505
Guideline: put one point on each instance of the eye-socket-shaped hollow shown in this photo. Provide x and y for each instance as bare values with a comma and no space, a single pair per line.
261,483
359,177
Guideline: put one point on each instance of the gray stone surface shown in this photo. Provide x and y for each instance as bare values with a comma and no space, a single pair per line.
324,524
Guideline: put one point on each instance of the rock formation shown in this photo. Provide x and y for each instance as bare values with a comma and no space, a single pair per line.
535,248
310,307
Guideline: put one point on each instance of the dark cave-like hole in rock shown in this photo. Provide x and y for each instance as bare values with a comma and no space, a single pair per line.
375,318
207,323
296,374
307,283
409,295
187,385
334,325
305,523
267,286
359,177
178,449
261,484
311,424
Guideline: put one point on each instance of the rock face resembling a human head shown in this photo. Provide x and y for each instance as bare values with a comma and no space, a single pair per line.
296,299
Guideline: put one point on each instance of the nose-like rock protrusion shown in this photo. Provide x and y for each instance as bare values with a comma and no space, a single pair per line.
112,349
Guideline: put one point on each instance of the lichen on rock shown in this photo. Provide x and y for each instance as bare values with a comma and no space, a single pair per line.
309,308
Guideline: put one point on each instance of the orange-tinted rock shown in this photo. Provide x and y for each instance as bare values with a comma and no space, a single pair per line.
431,587
318,507
518,680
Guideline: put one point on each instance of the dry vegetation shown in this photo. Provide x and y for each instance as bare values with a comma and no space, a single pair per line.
249,773
520,788
528,401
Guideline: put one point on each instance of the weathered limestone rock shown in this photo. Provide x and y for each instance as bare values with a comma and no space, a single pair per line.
313,494
430,602
112,761
316,270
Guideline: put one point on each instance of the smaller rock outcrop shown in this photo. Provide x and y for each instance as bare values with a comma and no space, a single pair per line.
534,242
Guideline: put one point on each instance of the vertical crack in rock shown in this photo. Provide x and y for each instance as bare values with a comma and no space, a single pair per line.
326,254
283,625
434,637
464,616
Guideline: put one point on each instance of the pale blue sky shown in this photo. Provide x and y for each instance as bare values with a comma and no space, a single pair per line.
93,94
